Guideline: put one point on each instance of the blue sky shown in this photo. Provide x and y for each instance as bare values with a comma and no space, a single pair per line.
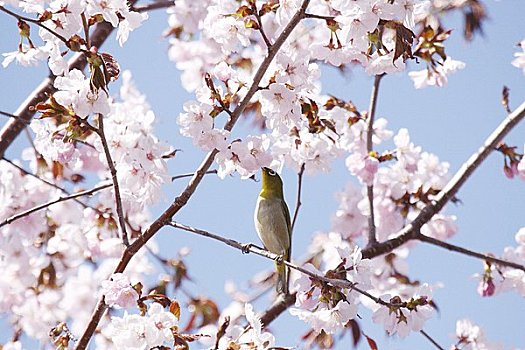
451,122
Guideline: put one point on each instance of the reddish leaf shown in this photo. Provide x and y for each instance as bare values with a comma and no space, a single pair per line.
371,342
356,331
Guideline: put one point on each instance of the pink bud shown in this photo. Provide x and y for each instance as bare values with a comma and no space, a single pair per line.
486,287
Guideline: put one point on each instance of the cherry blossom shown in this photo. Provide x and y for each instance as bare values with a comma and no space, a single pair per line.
143,332
118,292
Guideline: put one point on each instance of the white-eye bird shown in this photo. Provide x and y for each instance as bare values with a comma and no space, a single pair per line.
272,223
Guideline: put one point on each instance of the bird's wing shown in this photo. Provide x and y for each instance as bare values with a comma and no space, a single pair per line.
289,225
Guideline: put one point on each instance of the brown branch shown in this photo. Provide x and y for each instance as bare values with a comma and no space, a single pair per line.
468,252
35,21
372,239
266,254
194,182
430,339
326,18
298,202
13,116
45,205
113,171
261,29
25,172
176,177
155,5
280,305
412,230
26,111
86,30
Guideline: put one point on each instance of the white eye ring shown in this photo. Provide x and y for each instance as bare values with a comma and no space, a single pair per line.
271,172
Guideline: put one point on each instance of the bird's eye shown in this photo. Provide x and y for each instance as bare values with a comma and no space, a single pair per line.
271,172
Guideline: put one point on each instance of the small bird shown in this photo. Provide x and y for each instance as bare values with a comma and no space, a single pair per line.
272,223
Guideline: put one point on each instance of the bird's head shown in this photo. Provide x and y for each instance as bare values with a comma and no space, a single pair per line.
272,184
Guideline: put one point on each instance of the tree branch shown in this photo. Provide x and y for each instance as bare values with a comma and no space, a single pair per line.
266,254
176,177
113,171
468,252
25,172
430,339
45,205
194,182
155,5
261,29
372,239
26,111
35,21
298,200
412,230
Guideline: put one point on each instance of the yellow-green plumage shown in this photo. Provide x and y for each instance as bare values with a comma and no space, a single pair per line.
272,223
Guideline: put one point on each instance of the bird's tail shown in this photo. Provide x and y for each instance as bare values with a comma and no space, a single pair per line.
283,276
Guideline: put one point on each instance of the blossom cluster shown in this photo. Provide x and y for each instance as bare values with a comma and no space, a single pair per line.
64,20
471,337
496,279
53,259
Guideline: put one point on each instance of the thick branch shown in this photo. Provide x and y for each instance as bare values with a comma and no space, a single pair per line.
194,182
372,239
278,307
412,230
25,111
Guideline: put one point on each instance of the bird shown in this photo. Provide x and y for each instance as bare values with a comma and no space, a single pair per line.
272,223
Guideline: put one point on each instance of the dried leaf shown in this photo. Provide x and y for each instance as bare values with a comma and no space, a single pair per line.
505,98
404,40
175,309
371,342
356,332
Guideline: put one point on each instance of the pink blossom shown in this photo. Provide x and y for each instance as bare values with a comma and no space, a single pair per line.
118,292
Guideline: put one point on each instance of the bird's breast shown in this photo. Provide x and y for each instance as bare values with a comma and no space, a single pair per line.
271,225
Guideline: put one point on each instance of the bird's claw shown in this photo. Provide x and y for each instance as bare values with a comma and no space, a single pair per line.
279,259
245,248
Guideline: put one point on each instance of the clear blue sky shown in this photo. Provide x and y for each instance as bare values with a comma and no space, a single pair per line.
451,122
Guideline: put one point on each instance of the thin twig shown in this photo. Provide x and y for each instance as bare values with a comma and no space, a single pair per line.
86,30
176,177
326,18
113,171
264,253
411,230
372,239
155,5
435,343
194,182
45,205
35,21
13,116
25,172
261,29
469,252
26,110
299,190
